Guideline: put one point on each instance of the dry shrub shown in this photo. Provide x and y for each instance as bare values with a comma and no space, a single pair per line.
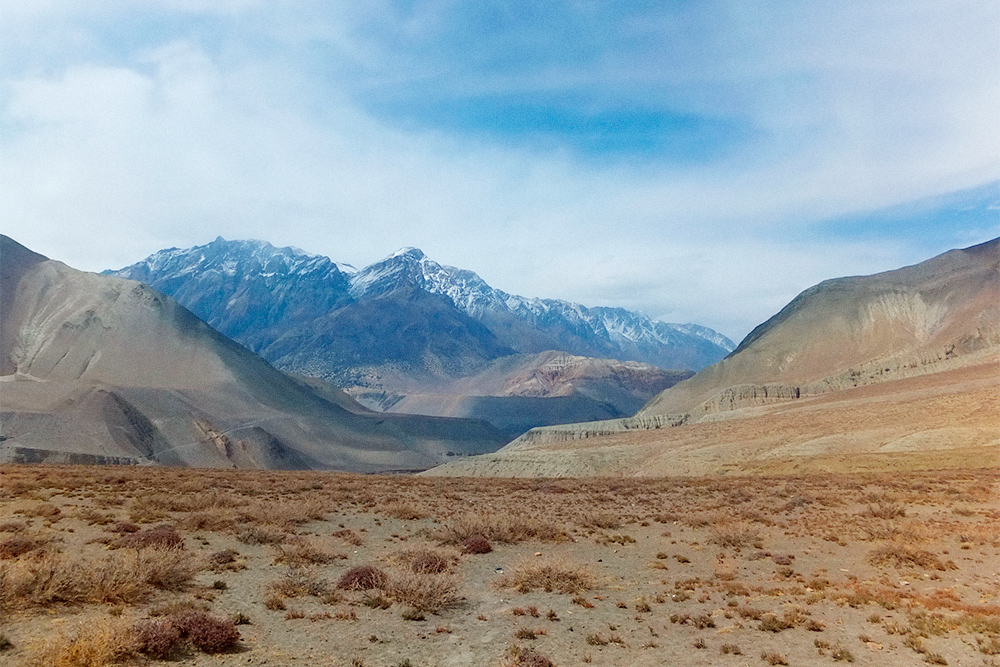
400,509
208,632
43,510
98,643
285,512
424,561
18,545
476,544
157,638
160,537
297,583
349,536
736,535
362,578
606,520
885,508
902,556
215,521
506,528
549,574
12,527
127,577
424,592
519,656
304,553
255,535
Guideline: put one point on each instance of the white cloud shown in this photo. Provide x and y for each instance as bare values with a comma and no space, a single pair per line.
108,155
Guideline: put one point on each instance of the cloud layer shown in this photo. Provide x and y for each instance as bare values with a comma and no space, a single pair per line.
698,162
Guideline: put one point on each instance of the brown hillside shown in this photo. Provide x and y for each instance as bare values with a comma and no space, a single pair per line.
107,369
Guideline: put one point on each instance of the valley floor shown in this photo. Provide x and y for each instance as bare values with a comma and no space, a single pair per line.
100,565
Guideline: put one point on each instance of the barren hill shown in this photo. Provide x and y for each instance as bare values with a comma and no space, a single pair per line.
518,392
102,369
858,330
896,369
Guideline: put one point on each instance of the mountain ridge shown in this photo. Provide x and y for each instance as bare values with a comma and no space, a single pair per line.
902,362
598,331
106,368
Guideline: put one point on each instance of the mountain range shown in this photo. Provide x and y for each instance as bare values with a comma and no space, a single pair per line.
102,369
406,329
890,371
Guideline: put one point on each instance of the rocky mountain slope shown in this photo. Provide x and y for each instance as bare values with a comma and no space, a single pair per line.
519,392
103,369
858,330
295,309
410,334
854,371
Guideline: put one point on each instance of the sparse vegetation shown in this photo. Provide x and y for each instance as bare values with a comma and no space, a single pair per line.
328,553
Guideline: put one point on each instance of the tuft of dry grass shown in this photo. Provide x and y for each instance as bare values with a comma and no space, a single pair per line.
508,528
159,537
518,656
424,592
424,561
476,544
736,535
549,574
97,644
362,578
302,552
121,577
18,545
902,556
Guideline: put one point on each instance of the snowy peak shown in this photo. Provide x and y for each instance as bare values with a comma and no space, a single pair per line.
241,260
606,329
242,285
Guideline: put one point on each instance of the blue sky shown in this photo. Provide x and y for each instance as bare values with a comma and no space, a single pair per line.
699,161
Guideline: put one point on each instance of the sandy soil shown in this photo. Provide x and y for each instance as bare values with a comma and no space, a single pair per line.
683,571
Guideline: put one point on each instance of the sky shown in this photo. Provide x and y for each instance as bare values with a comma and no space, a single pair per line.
697,161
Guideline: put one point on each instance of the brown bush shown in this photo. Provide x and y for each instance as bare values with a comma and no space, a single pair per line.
305,553
735,536
362,578
255,535
518,656
98,644
900,556
297,583
124,527
423,592
208,632
18,545
549,574
476,544
157,638
160,537
424,561
120,577
508,528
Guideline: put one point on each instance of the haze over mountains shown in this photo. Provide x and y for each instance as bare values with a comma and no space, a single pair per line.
102,369
895,369
410,328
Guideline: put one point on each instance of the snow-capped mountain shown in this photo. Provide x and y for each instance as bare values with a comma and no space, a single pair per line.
246,288
615,332
307,313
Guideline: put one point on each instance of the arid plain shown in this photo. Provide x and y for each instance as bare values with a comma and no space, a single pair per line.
208,567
